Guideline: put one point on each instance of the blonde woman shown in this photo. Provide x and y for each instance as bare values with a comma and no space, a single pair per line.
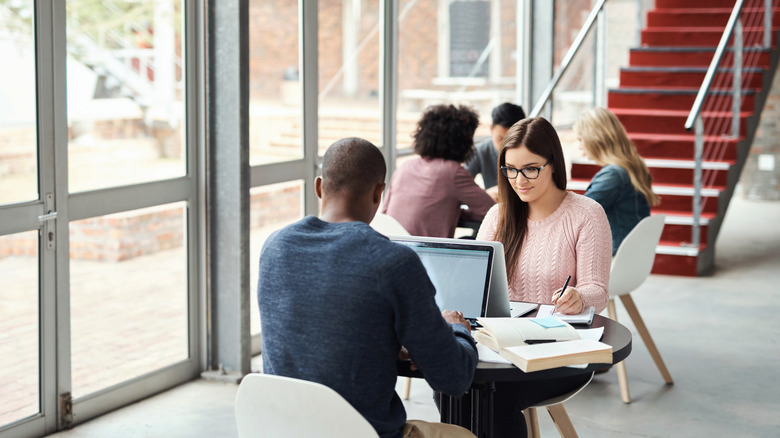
623,185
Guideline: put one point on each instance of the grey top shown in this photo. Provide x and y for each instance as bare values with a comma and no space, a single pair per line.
485,161
337,302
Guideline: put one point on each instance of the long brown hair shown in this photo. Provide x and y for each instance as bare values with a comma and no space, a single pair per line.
606,141
539,137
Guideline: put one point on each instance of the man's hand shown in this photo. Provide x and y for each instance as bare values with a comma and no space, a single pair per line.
455,318
404,355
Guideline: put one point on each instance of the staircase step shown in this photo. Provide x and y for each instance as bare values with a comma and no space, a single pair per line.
674,198
681,146
682,233
675,264
671,56
699,36
673,99
686,77
691,4
708,17
674,172
673,121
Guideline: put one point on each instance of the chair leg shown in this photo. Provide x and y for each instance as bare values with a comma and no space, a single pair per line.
625,395
532,422
407,388
633,312
562,421
611,309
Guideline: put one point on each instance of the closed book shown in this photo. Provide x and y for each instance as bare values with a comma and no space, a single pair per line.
538,357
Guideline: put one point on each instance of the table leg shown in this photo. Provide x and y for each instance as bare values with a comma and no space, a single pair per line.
482,409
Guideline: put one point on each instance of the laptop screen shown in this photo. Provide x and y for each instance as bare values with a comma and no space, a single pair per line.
460,272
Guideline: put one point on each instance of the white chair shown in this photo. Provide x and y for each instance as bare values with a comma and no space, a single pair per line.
630,268
557,413
389,226
275,406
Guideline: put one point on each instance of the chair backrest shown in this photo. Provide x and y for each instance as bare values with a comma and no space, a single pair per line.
275,406
388,225
634,258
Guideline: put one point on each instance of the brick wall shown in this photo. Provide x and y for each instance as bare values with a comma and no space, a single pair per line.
280,203
126,235
18,146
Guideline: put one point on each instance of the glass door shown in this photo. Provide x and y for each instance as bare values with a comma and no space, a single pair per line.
26,216
99,207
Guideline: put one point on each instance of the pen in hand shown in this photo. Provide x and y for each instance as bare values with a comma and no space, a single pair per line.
555,309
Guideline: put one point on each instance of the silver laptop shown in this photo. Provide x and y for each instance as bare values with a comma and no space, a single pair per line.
498,304
459,271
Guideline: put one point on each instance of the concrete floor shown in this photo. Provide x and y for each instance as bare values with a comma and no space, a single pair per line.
718,336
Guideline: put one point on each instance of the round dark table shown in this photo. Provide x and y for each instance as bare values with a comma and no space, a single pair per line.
488,373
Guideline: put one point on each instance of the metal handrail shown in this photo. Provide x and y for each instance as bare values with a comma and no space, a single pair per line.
698,103
567,59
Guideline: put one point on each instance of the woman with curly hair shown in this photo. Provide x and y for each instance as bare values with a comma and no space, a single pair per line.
426,193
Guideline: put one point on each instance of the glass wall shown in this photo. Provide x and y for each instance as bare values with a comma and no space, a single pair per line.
468,58
125,92
18,136
275,98
128,289
19,322
348,71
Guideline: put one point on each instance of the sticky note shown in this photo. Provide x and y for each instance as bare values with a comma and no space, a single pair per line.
548,322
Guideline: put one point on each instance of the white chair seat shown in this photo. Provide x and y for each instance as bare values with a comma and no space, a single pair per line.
557,413
275,406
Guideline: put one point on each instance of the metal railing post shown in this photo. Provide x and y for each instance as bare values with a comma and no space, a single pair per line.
767,23
600,64
640,16
698,153
736,101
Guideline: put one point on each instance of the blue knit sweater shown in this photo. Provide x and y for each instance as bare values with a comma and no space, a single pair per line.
337,302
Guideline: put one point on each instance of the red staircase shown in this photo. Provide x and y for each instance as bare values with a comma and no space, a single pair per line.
654,98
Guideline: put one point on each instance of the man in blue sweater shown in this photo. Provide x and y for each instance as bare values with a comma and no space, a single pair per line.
338,301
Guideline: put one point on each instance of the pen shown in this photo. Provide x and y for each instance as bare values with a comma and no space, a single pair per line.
555,309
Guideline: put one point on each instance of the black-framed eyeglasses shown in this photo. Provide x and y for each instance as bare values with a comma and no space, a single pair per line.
528,172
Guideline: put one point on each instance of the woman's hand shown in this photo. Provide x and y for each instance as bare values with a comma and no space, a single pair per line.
571,301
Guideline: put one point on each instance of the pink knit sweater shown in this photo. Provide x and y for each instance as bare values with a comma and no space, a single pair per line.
575,240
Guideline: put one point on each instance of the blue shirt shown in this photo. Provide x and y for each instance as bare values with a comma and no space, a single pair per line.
625,207
337,302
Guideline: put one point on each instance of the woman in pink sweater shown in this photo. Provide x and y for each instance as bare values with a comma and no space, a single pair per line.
548,234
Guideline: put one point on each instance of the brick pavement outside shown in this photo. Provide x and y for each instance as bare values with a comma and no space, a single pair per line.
127,319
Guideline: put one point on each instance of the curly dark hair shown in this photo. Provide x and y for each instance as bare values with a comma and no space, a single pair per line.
446,131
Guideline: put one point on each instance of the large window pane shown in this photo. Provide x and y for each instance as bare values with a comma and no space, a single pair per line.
460,52
349,71
128,289
271,207
18,137
125,92
274,87
19,325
